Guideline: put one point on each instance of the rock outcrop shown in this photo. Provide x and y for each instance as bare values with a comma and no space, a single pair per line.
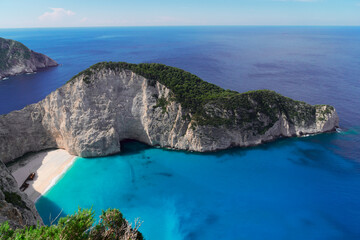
16,58
91,114
15,207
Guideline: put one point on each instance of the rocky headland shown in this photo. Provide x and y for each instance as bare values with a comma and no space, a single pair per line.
157,105
16,58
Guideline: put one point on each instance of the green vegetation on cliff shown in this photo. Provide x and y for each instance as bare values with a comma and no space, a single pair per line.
79,226
211,105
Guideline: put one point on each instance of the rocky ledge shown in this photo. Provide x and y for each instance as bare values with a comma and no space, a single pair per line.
15,206
16,58
157,105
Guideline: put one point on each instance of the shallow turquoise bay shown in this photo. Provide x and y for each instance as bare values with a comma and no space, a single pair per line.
290,189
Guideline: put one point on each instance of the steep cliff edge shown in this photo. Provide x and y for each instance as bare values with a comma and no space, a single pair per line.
16,58
158,105
15,207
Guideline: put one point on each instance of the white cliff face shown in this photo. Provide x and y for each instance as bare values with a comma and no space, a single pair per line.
15,207
92,123
326,119
90,118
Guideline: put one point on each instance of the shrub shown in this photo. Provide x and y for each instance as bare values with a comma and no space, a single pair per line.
79,226
162,103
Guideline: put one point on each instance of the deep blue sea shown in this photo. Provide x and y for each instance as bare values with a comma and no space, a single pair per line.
303,188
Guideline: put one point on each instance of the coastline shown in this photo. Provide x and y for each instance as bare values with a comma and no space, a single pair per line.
48,165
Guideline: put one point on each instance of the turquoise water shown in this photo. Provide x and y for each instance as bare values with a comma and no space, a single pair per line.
290,189
304,188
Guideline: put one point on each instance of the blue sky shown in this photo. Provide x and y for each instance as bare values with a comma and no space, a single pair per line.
77,13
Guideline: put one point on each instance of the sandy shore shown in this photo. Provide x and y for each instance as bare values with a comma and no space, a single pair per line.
48,166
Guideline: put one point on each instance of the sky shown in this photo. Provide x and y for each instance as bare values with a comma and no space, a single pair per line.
87,13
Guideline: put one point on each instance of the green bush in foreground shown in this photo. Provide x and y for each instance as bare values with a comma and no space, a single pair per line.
79,226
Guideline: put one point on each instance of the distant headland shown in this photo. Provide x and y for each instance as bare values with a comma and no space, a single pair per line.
16,58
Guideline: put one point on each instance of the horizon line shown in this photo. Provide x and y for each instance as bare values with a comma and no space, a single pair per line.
153,26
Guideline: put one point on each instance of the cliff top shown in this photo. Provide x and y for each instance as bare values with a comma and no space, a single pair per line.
203,99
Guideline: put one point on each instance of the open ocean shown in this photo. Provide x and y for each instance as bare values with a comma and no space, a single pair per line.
303,188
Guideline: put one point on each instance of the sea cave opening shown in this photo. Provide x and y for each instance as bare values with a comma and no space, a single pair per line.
132,146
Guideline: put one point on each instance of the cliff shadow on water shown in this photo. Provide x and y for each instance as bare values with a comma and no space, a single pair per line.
327,140
49,211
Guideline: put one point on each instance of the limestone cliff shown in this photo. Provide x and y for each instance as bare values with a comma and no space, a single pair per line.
16,58
15,207
109,102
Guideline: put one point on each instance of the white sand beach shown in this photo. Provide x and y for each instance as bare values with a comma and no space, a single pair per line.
47,165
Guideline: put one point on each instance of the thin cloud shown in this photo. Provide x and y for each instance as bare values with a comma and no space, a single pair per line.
56,14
